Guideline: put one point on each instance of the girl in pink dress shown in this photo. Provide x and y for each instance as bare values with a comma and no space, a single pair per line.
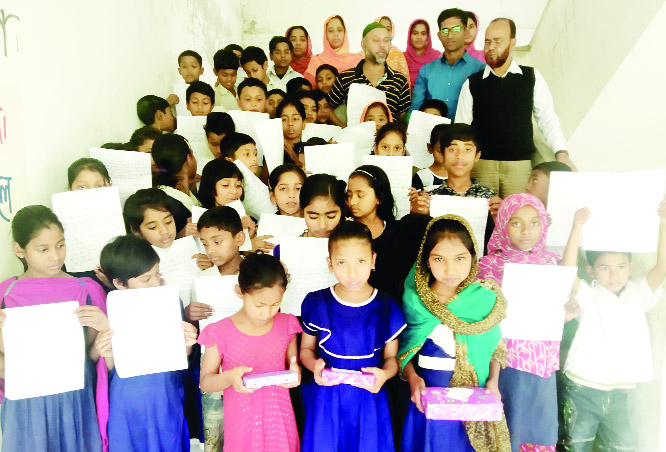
257,339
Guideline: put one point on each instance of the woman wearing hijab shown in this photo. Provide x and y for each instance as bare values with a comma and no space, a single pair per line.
471,31
419,49
302,53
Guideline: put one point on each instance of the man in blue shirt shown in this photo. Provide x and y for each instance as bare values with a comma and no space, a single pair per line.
442,79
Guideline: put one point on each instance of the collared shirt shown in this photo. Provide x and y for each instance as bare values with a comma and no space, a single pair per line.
276,82
475,191
393,83
441,80
225,98
543,110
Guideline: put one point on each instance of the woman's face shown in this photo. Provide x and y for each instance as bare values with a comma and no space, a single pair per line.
335,33
300,43
292,123
419,37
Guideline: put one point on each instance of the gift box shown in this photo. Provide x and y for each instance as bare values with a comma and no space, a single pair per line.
281,377
461,404
348,377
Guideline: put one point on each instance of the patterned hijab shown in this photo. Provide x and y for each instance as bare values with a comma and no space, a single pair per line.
500,248
301,64
414,60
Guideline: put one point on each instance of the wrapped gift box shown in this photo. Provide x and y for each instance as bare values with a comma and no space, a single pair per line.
461,404
347,377
281,377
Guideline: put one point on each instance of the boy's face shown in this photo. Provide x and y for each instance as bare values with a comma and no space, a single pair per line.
437,154
200,104
537,185
190,69
220,245
256,70
252,98
432,111
214,143
612,271
281,56
272,103
248,155
152,278
227,78
165,121
459,158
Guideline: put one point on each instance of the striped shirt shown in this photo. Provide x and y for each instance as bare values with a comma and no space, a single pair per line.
393,83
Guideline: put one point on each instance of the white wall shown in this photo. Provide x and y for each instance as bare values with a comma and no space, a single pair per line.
73,73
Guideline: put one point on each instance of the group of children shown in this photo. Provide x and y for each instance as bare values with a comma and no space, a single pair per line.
417,302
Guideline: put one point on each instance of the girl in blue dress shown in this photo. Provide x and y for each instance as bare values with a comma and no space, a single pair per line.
354,327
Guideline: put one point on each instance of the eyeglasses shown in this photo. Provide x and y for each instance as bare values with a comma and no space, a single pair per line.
455,30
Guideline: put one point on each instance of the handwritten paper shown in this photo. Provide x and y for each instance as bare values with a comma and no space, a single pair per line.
399,172
280,225
324,131
91,218
238,207
146,317
418,136
38,338
129,170
362,136
257,199
178,267
530,317
192,129
474,210
360,96
334,159
217,292
270,137
180,90
305,259
244,122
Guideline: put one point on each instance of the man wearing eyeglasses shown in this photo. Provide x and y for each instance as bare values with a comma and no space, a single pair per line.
442,79
500,102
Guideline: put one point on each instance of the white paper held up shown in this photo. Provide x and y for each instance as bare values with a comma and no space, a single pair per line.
217,292
178,267
180,90
244,122
323,131
192,129
474,210
270,137
256,199
359,97
280,225
362,136
334,159
128,170
418,136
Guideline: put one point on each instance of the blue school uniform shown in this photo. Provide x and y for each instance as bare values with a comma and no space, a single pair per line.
350,336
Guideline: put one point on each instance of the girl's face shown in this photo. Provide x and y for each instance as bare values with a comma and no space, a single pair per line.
322,215
152,278
419,37
325,80
300,43
214,143
391,145
88,179
261,305
335,33
158,227
324,111
352,261
377,114
292,123
285,194
45,253
524,228
450,263
310,110
361,197
470,32
228,190
248,155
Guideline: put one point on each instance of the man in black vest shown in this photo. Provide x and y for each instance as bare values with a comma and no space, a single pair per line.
499,102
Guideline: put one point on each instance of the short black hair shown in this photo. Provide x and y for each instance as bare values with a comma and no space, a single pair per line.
251,81
275,40
191,53
276,91
225,59
512,25
437,104
297,84
347,230
126,257
458,131
259,271
148,106
231,142
89,164
318,95
145,198
200,87
253,53
224,218
139,136
548,167
437,133
233,47
214,171
327,67
452,12
593,256
219,123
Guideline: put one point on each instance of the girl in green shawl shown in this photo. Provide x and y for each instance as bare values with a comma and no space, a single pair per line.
452,338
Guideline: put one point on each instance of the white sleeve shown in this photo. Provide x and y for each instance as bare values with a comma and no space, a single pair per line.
464,112
647,298
544,114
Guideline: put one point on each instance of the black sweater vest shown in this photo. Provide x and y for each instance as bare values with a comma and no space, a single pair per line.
502,109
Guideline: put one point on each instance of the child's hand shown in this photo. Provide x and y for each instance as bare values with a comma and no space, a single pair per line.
294,367
93,317
580,218
103,344
380,379
203,261
102,277
662,210
250,225
190,333
318,367
190,229
571,309
262,243
493,206
172,100
417,388
198,311
419,201
236,375
491,386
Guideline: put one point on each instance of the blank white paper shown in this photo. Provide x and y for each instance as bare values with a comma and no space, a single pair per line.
474,210
418,136
180,90
362,136
334,159
270,137
280,225
217,292
359,97
129,171
244,122
399,172
178,267
257,199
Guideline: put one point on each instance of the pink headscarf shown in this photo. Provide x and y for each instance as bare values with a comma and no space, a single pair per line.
500,249
339,58
415,61
301,64
478,54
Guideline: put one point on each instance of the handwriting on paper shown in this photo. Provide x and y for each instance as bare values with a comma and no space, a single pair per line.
5,198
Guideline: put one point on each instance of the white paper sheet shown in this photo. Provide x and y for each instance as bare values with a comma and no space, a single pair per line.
360,96
148,334
324,131
256,199
244,122
217,292
399,172
192,129
418,136
178,267
238,207
530,316
280,225
305,259
180,90
362,136
474,210
334,159
568,192
91,218
40,338
129,170
270,137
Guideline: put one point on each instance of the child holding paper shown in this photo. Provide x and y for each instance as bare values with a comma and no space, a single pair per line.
292,113
176,169
87,173
145,412
611,351
390,140
240,146
354,327
65,421
225,67
452,338
257,339
218,125
284,184
200,98
435,174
